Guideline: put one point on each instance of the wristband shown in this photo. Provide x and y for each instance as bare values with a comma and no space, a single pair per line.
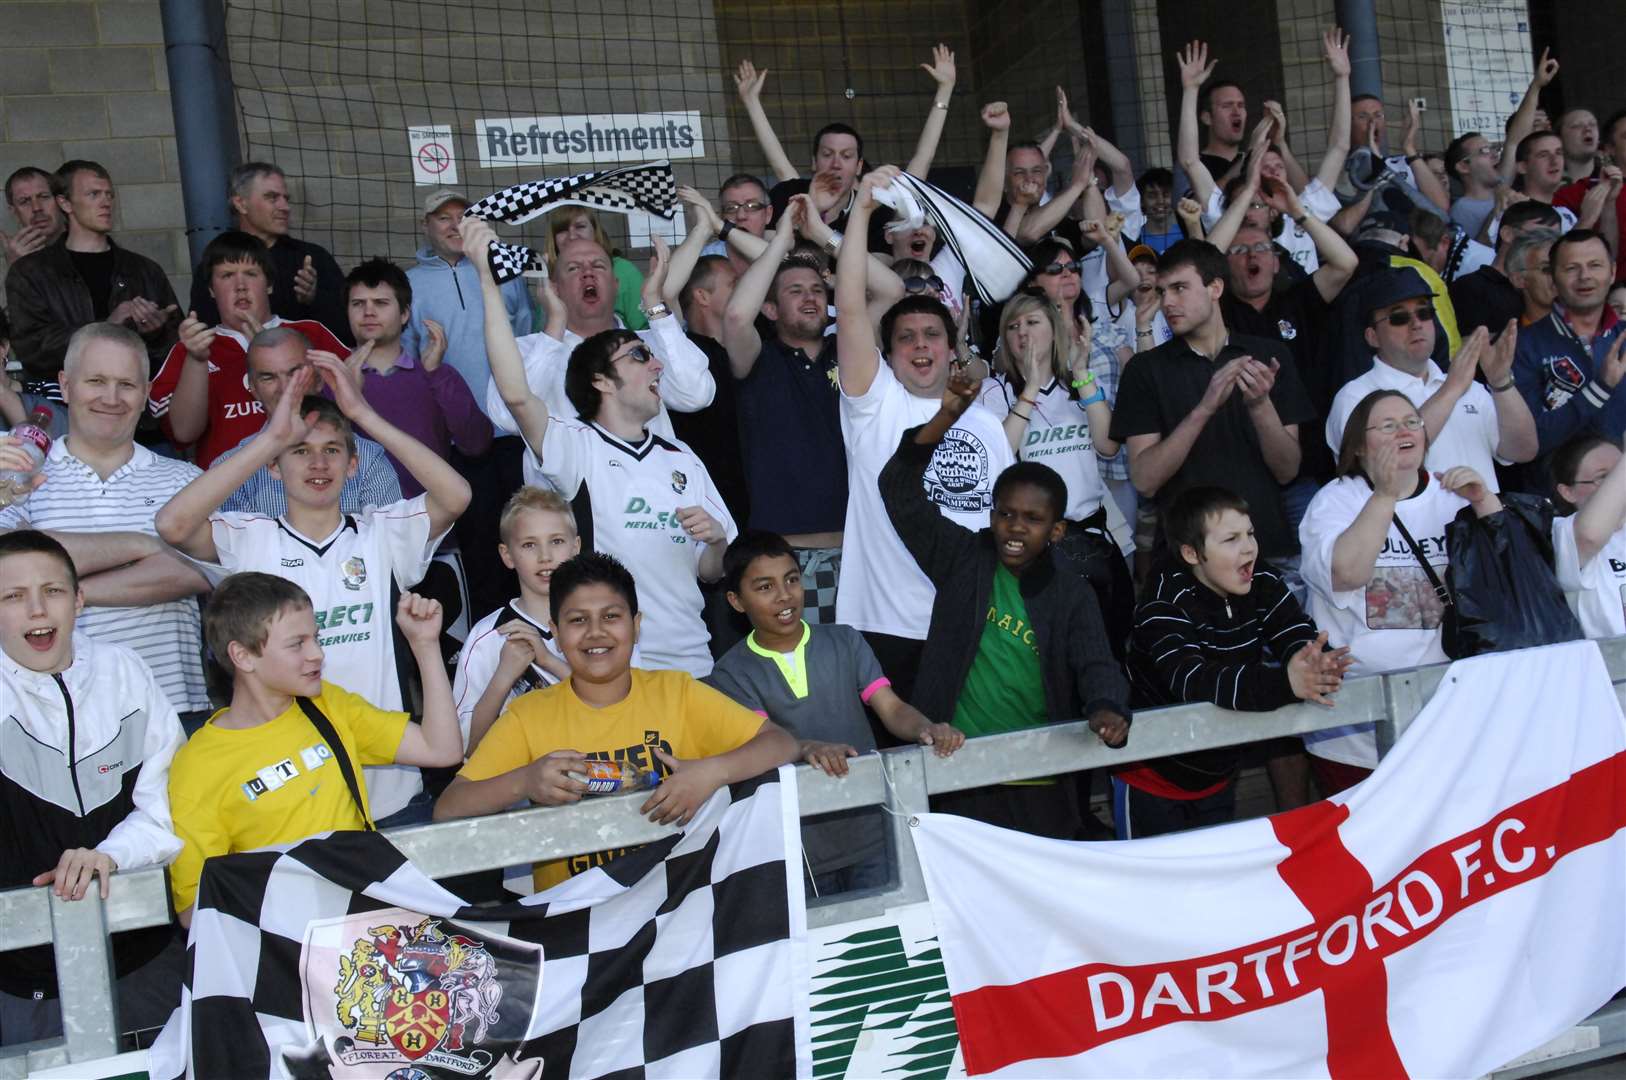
1099,395
833,245
728,227
656,311
1143,331
940,105
1301,219
1079,384
1024,415
1505,386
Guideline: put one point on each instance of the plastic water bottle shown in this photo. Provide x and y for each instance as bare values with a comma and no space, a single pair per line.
35,436
609,777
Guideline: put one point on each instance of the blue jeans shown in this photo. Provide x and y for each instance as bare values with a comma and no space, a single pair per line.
872,873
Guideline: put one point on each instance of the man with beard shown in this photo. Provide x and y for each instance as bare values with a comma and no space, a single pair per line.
1568,365
883,591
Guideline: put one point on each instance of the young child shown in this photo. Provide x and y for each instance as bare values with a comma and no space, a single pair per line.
814,682
665,721
283,760
1014,641
513,650
1220,627
86,736
350,565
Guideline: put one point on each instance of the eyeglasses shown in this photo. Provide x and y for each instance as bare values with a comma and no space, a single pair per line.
638,354
732,208
1424,314
923,284
1263,247
1390,427
1060,268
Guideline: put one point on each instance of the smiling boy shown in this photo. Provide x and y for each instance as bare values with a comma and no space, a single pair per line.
1221,627
1016,640
690,735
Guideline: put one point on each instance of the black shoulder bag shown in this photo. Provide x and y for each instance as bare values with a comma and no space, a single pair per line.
324,728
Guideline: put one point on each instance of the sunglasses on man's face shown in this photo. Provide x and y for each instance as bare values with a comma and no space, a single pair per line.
1424,314
638,354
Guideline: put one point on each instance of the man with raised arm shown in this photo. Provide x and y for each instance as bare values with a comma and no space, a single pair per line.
883,591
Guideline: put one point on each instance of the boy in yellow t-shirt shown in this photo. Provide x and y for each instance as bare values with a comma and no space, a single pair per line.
695,738
260,772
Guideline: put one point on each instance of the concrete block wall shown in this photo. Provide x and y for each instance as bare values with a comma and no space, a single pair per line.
82,79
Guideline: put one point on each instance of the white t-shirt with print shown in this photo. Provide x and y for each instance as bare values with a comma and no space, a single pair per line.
632,494
882,589
349,575
1057,436
1596,591
1394,620
1469,436
477,663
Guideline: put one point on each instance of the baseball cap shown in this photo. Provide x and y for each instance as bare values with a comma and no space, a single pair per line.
1141,251
1392,286
440,198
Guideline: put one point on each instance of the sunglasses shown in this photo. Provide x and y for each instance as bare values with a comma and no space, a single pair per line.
638,354
1424,314
1060,268
923,284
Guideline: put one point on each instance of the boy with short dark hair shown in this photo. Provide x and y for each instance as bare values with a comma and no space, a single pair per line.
86,737
1220,627
666,721
1016,640
348,563
513,650
283,760
814,682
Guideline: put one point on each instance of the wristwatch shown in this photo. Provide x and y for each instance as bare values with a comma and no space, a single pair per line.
656,311
728,227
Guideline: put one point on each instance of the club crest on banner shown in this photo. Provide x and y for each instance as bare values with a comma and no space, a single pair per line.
393,987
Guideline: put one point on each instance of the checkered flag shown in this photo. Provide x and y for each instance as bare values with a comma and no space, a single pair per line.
651,188
336,957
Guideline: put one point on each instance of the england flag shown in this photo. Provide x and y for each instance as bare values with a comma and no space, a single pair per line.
1464,905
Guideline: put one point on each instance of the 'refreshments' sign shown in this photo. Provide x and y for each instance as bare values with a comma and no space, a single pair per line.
589,140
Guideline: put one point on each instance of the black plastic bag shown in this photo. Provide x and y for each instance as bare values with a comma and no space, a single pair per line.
1504,593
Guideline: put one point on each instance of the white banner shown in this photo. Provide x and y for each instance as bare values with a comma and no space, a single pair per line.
1461,907
597,139
434,154
1487,59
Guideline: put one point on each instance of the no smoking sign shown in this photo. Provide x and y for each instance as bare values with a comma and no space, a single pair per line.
434,160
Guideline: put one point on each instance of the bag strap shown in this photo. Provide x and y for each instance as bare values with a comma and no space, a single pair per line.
1440,589
324,728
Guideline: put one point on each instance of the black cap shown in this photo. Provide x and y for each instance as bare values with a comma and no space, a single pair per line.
1392,286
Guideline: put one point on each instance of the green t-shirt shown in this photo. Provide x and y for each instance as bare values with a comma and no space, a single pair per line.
1004,691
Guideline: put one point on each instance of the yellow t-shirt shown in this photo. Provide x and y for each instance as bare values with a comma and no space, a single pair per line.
240,789
668,709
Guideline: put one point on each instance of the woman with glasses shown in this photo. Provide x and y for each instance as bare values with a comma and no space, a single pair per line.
579,223
1056,412
1366,536
1589,541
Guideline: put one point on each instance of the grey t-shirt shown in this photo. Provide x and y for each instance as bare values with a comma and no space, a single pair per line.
1471,215
841,675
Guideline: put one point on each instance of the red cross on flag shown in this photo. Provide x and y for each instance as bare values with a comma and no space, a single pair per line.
1464,905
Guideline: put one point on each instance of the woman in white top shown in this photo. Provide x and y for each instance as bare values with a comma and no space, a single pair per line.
1056,413
1589,544
1368,589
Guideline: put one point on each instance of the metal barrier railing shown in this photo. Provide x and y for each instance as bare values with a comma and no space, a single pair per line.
901,780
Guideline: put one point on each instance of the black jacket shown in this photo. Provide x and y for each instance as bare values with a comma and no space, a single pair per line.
328,307
1080,676
48,301
1191,644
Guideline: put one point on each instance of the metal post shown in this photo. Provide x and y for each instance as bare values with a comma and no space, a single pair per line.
1359,18
205,119
1123,73
84,977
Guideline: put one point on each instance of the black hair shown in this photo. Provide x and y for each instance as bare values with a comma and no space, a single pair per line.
1574,236
919,304
28,172
1457,152
1033,474
1206,100
704,273
1358,98
589,360
236,246
1528,212
5,326
74,166
1157,176
590,568
1522,153
796,260
34,542
1566,464
838,129
1200,255
1186,519
751,545
376,272
1606,131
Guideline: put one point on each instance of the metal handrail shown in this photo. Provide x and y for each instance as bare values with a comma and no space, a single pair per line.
901,780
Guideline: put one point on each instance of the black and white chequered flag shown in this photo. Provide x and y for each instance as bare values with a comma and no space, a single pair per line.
649,187
996,264
336,957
